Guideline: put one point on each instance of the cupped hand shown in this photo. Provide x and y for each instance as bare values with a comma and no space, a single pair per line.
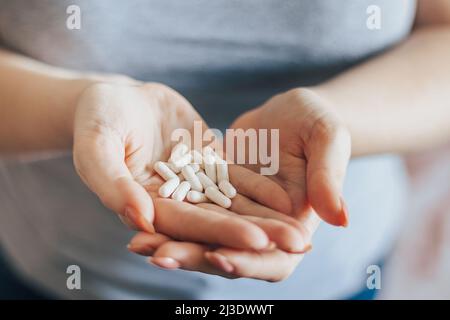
314,150
120,130
272,264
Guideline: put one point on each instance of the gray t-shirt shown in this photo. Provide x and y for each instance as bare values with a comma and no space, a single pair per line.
225,56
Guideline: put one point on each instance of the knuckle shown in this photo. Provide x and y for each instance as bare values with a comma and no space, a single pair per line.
298,93
323,129
329,128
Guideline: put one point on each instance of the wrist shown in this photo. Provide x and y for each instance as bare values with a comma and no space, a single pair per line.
65,103
72,90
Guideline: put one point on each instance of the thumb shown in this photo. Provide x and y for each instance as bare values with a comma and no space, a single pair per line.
328,154
100,162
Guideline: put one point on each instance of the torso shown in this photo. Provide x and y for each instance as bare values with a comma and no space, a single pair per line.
222,55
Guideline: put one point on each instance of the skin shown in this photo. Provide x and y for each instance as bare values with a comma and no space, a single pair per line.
314,153
114,150
392,118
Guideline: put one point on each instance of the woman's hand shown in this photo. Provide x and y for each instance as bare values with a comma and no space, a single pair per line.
120,130
314,151
273,264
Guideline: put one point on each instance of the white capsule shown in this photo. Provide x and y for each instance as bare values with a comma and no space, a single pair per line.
164,171
181,161
205,180
195,167
190,176
168,187
181,191
208,150
210,167
178,151
217,197
196,197
173,167
227,189
222,171
197,157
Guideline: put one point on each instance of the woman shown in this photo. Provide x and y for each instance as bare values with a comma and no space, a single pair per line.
225,59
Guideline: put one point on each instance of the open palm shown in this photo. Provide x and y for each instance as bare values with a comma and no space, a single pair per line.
121,130
314,152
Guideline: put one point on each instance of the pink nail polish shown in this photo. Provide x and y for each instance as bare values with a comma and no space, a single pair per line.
138,222
219,261
272,246
306,249
344,211
145,250
164,262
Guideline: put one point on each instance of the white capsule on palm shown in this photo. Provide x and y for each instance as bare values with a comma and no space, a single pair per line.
173,167
164,171
196,197
181,191
168,187
197,158
190,176
227,189
208,150
205,180
217,197
210,167
222,171
195,167
178,151
181,161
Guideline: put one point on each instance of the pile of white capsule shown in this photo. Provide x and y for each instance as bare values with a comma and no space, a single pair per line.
197,177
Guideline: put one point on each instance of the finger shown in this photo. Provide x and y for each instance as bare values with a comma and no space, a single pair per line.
292,177
285,236
245,206
310,222
184,221
100,163
259,188
271,266
187,256
145,244
328,154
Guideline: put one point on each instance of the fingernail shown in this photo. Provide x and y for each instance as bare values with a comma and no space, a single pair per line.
143,249
301,248
164,262
149,223
307,248
344,211
219,261
271,246
140,222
